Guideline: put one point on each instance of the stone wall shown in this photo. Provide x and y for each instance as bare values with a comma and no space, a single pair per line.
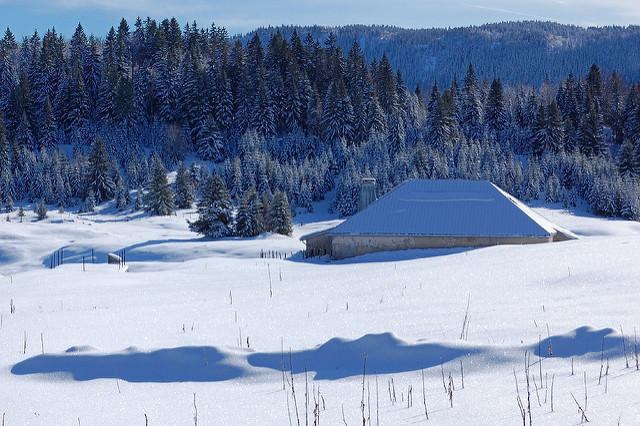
343,246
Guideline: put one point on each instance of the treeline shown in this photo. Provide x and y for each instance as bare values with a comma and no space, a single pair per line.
86,121
525,53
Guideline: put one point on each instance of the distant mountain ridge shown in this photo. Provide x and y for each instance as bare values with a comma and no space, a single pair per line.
521,52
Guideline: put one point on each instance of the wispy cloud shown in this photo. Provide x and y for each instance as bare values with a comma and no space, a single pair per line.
515,13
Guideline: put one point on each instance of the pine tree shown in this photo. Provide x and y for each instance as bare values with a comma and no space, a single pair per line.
159,198
337,113
548,130
139,204
224,106
626,163
591,140
263,111
248,221
471,105
75,99
4,149
439,120
594,84
209,142
494,116
23,135
40,211
376,119
215,210
184,188
99,175
280,220
8,204
386,86
48,132
121,197
89,202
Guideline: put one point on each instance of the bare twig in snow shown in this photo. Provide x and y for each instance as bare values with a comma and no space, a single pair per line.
583,415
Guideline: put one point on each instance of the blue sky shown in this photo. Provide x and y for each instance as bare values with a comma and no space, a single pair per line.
23,16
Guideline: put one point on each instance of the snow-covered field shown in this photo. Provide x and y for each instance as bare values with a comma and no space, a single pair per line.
213,320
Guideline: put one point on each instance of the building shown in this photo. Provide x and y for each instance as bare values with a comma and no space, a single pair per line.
420,214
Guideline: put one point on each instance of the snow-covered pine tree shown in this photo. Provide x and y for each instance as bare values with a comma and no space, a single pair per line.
263,119
159,198
626,163
139,204
47,138
235,187
89,202
224,106
548,130
99,176
23,137
248,220
184,188
472,113
215,210
4,150
337,112
209,141
121,198
636,157
347,192
280,214
552,189
75,99
590,137
305,199
494,112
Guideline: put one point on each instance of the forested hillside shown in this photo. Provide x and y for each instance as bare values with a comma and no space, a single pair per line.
86,120
517,52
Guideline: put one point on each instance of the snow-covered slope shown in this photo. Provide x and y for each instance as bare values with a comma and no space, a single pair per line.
216,321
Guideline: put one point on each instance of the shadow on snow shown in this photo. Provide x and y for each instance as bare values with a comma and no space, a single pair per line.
181,364
339,358
584,341
335,359
386,256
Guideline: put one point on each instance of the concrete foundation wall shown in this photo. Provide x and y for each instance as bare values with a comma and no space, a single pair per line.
318,246
347,246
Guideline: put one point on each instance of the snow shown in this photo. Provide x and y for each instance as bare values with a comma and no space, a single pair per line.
447,208
104,347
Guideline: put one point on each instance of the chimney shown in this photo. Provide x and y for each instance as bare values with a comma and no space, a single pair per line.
367,193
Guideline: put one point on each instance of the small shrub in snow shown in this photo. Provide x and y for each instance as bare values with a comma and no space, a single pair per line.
41,211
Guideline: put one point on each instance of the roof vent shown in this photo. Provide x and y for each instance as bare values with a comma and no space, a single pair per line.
367,193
